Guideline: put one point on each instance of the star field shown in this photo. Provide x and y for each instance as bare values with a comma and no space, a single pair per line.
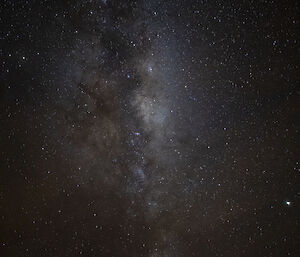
149,128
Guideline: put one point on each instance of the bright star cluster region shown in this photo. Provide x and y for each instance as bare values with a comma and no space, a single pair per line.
149,128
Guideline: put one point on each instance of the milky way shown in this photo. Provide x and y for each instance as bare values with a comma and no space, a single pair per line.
149,128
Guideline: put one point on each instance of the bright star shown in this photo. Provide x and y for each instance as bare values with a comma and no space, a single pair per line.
288,203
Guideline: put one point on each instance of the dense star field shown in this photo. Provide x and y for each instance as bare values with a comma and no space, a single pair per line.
149,128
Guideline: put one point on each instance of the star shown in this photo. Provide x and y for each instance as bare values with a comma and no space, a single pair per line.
288,203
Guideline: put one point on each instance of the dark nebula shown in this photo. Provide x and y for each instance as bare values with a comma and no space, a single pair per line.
149,128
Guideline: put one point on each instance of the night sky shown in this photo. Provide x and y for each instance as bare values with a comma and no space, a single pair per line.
149,128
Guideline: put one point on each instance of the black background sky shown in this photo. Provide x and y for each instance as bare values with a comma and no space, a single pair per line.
149,128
